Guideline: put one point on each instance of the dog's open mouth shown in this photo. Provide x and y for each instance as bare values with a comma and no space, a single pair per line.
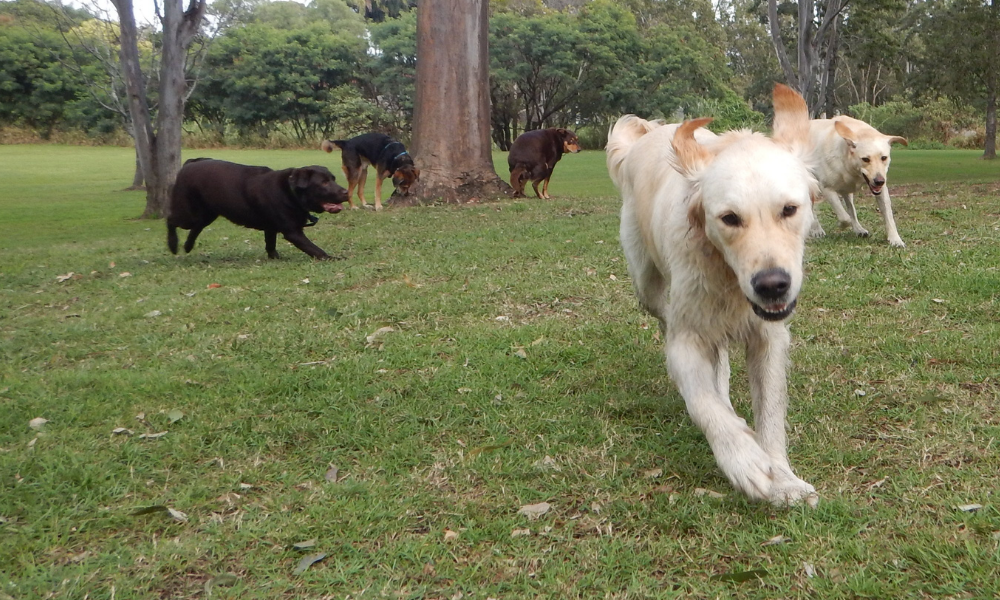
774,312
331,208
876,189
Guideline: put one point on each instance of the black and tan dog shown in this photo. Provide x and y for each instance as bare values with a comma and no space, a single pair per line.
534,155
255,197
389,158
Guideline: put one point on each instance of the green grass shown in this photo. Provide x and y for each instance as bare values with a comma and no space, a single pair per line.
511,342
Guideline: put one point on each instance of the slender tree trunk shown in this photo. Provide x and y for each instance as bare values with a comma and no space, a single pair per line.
451,112
142,123
992,76
137,179
159,151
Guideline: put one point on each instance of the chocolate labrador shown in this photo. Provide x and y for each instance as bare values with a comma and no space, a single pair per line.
255,197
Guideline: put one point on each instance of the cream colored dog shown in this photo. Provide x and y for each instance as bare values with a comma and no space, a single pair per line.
714,247
846,153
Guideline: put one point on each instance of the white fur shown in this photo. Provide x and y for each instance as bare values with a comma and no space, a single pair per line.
839,155
694,273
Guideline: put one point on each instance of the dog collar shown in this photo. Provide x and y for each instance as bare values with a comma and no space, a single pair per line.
400,154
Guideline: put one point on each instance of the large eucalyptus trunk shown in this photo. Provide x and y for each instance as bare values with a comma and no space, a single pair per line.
451,112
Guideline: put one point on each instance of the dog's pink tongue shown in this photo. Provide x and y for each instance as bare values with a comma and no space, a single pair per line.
331,207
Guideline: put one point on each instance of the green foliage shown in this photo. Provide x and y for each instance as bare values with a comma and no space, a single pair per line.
941,121
37,88
258,77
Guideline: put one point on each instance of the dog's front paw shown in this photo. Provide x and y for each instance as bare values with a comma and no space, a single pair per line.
817,232
861,232
897,243
792,491
746,466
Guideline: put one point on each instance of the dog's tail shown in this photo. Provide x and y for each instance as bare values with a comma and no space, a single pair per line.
621,136
328,145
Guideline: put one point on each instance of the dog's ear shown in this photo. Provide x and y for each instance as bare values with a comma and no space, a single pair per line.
791,120
847,133
696,215
398,174
690,157
300,178
895,139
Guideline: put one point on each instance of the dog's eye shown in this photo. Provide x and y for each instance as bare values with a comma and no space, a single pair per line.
789,211
865,159
885,158
731,219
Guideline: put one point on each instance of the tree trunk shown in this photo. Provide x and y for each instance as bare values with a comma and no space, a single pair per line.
811,75
159,151
992,76
138,106
137,179
451,110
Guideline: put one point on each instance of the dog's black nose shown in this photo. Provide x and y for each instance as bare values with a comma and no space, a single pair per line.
771,284
879,180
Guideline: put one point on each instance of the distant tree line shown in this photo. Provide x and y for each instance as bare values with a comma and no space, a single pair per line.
281,72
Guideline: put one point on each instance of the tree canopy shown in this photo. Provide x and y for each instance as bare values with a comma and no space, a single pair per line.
287,72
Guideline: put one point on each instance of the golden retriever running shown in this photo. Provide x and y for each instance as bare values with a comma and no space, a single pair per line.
846,153
714,247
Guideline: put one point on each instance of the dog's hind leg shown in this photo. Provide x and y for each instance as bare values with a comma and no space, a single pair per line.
517,179
270,243
172,238
845,218
767,365
885,206
545,186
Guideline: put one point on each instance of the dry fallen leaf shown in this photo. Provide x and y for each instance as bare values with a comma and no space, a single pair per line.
709,493
224,580
121,431
533,511
37,422
809,569
175,415
62,278
778,539
652,473
331,474
152,436
304,545
308,561
547,464
213,286
969,507
520,532
174,514
153,313
520,353
450,535
125,274
370,339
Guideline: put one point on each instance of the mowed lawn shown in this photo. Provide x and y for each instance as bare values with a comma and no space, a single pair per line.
371,427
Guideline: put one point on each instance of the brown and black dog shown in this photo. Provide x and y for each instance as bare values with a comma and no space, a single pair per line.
389,157
534,155
255,197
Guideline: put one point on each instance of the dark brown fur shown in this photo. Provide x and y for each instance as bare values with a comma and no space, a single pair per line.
255,197
534,155
389,157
